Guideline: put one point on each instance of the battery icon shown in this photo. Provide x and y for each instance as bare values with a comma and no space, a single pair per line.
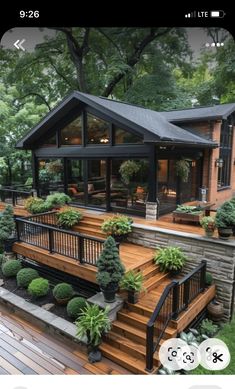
217,14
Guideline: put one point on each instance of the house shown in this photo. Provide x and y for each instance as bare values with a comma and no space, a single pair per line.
82,147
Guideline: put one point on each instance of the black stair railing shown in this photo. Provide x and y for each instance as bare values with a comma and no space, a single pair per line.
176,298
14,196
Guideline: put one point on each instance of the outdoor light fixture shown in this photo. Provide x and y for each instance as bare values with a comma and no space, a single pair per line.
193,163
104,140
219,162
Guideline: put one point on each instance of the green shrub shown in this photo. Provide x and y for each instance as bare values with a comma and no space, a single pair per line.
7,223
67,217
170,258
225,216
132,281
36,205
209,278
117,225
208,328
11,268
39,287
25,276
63,291
57,200
75,307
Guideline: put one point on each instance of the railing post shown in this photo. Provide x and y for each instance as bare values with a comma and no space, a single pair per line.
81,249
175,301
17,230
13,198
203,276
51,240
149,348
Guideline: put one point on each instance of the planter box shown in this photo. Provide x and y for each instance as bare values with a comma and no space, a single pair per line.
190,217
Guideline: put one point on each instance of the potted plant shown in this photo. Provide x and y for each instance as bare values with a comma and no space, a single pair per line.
128,169
63,293
67,217
110,270
215,310
170,259
133,283
225,219
7,229
118,226
93,323
208,223
182,169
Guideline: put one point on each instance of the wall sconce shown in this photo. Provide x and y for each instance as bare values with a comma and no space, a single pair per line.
219,162
193,163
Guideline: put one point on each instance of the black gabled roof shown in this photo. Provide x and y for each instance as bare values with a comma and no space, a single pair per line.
153,125
221,111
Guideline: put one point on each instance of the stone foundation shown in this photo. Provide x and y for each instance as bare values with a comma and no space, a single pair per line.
220,256
151,211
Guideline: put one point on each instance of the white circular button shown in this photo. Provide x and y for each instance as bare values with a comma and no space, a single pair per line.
215,354
190,358
170,353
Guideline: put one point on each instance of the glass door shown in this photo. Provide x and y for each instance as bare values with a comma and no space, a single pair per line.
167,185
96,183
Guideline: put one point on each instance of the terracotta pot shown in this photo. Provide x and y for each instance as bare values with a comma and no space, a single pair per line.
215,310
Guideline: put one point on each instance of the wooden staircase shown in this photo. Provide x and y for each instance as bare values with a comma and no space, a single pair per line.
91,226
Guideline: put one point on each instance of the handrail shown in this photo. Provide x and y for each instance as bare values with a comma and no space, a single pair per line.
13,195
175,298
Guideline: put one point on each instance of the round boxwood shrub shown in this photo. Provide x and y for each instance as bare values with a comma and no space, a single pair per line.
25,276
39,287
63,291
75,306
11,268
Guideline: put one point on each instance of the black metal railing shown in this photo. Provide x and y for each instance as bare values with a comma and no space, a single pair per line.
71,244
47,218
175,299
14,196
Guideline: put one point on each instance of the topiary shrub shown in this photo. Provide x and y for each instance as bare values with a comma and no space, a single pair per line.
11,268
39,287
63,292
25,276
75,307
7,224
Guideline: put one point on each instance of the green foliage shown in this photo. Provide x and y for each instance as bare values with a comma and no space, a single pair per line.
54,167
170,258
67,217
209,278
36,205
63,291
208,223
166,371
189,338
128,169
110,268
75,306
208,328
39,287
29,181
225,215
57,200
192,209
117,225
182,168
132,281
11,268
93,323
25,276
7,224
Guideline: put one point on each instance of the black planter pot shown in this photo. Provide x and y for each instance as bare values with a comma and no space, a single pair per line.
133,296
94,354
8,244
225,233
109,294
174,273
120,238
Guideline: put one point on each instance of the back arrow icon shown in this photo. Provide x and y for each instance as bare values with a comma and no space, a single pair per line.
18,44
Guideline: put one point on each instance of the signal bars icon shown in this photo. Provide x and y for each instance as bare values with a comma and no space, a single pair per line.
190,15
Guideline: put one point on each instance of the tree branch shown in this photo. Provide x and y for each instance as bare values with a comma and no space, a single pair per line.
134,57
34,94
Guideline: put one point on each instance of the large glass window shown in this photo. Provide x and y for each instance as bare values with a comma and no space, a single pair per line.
226,141
166,185
96,184
76,180
72,133
123,136
50,176
129,184
97,131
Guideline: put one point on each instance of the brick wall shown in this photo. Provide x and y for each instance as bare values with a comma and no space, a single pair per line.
220,256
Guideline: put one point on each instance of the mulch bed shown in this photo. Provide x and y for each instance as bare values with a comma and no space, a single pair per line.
59,310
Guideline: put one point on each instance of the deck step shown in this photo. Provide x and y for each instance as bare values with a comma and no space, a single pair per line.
133,364
150,271
152,282
128,346
94,232
129,332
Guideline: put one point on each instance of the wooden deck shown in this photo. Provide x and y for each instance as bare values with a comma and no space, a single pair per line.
25,349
